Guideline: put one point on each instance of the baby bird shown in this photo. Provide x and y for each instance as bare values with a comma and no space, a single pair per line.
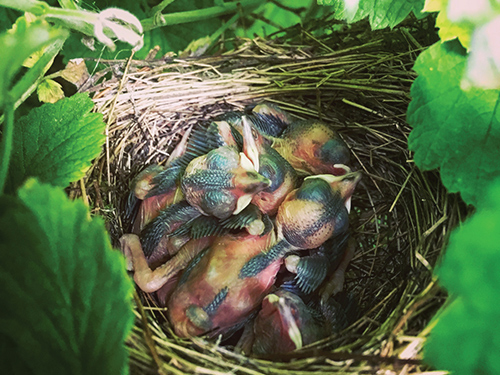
147,198
308,217
220,183
286,323
210,297
268,119
162,182
312,148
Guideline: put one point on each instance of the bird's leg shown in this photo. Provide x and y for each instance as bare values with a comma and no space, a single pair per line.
335,284
245,342
149,280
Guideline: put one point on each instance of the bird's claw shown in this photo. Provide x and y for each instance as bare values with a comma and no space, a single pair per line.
333,286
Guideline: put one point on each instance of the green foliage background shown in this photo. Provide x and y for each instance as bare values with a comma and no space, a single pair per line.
465,339
56,142
66,288
456,131
69,298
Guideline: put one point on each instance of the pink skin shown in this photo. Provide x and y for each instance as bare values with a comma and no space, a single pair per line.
284,324
152,280
219,269
150,209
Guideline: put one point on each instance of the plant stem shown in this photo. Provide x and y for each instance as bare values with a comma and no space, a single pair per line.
71,17
32,6
8,135
74,19
223,28
197,15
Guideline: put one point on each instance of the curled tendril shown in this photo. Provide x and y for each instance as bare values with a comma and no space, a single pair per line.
123,25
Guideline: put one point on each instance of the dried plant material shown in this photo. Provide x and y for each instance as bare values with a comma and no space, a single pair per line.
76,72
360,87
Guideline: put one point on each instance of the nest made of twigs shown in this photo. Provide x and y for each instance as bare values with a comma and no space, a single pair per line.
354,81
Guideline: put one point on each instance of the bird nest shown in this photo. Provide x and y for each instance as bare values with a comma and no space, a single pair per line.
352,79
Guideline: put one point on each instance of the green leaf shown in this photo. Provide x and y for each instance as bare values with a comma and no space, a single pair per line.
390,12
56,142
49,91
69,298
18,45
7,18
465,339
471,262
449,30
381,13
337,8
454,130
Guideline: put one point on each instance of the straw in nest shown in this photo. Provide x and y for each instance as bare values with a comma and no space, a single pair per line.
400,220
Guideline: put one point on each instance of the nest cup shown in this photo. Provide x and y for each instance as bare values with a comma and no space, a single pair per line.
356,81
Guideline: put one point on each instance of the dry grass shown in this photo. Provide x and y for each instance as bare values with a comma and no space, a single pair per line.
401,217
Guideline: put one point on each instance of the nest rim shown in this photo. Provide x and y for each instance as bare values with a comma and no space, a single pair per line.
400,218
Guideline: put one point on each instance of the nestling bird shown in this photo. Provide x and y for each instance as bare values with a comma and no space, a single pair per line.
147,198
286,323
220,183
223,181
308,217
210,297
159,187
268,119
312,148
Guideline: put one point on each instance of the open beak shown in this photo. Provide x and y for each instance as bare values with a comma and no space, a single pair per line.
347,186
250,148
345,183
289,321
